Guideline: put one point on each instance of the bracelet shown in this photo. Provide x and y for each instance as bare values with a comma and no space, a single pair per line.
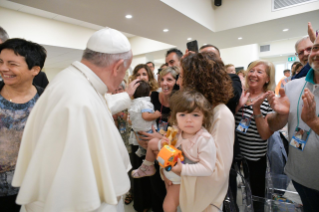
258,116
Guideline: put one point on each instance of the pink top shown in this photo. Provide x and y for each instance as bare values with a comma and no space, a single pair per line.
201,149
198,193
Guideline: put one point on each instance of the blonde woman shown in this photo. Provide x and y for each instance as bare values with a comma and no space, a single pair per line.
254,107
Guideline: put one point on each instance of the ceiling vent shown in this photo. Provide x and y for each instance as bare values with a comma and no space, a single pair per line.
283,4
265,48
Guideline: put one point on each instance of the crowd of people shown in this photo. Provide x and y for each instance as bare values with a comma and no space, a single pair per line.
89,137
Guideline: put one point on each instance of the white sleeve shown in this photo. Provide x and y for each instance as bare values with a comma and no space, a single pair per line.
118,102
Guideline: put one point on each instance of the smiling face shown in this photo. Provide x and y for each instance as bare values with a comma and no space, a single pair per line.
142,75
190,123
14,69
257,77
303,50
314,56
167,83
172,60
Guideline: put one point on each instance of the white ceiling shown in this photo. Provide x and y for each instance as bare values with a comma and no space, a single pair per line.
150,17
250,19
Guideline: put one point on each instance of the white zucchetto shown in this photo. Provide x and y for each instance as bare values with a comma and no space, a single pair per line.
109,41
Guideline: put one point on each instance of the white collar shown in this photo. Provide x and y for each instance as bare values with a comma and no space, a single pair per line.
97,83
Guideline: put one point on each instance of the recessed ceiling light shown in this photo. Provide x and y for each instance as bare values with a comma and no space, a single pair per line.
285,30
189,38
240,38
205,44
128,16
165,30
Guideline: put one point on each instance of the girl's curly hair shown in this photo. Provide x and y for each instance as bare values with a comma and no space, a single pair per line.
205,73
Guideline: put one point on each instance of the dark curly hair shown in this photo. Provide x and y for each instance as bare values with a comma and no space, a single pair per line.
205,73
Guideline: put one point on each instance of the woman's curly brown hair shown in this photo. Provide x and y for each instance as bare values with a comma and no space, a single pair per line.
205,73
151,79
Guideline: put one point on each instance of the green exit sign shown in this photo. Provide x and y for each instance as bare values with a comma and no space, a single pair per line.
291,59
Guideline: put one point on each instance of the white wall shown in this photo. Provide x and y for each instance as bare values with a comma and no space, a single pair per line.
200,11
237,13
51,73
240,56
143,45
43,30
283,47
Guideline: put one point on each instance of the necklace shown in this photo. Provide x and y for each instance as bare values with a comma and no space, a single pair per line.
250,100
8,94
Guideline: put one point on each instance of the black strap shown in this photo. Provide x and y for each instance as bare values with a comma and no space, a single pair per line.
39,89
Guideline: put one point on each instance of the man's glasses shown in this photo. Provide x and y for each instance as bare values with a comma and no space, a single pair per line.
302,52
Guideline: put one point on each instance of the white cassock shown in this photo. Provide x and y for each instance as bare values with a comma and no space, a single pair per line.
72,157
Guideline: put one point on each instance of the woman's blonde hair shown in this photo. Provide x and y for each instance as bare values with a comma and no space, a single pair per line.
270,71
151,79
187,101
174,71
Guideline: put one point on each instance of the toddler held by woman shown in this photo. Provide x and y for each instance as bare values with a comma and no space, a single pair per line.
142,114
191,112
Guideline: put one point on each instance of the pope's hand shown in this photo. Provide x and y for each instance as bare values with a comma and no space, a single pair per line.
308,113
279,104
132,87
177,169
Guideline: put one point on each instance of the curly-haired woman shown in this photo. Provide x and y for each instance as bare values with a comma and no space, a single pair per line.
205,73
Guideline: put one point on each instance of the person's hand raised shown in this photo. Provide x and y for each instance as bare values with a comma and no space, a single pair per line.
132,87
308,113
311,33
280,105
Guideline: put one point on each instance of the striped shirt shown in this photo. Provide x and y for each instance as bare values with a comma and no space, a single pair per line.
252,147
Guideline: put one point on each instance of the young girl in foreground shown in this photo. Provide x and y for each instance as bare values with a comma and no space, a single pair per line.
190,111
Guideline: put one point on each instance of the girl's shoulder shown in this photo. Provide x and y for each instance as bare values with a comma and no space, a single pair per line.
203,135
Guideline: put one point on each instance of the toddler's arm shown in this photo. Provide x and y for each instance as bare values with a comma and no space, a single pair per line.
147,116
207,159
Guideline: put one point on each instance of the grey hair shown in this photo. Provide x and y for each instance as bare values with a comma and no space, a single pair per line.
298,41
104,60
3,35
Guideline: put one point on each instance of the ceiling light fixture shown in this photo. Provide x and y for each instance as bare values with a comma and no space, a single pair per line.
165,30
285,30
189,38
205,44
240,38
128,16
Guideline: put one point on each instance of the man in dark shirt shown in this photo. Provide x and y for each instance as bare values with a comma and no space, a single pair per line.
303,48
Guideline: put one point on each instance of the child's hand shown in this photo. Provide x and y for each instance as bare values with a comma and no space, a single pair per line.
157,114
164,141
177,169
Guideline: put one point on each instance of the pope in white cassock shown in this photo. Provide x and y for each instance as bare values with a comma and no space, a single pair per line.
72,157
